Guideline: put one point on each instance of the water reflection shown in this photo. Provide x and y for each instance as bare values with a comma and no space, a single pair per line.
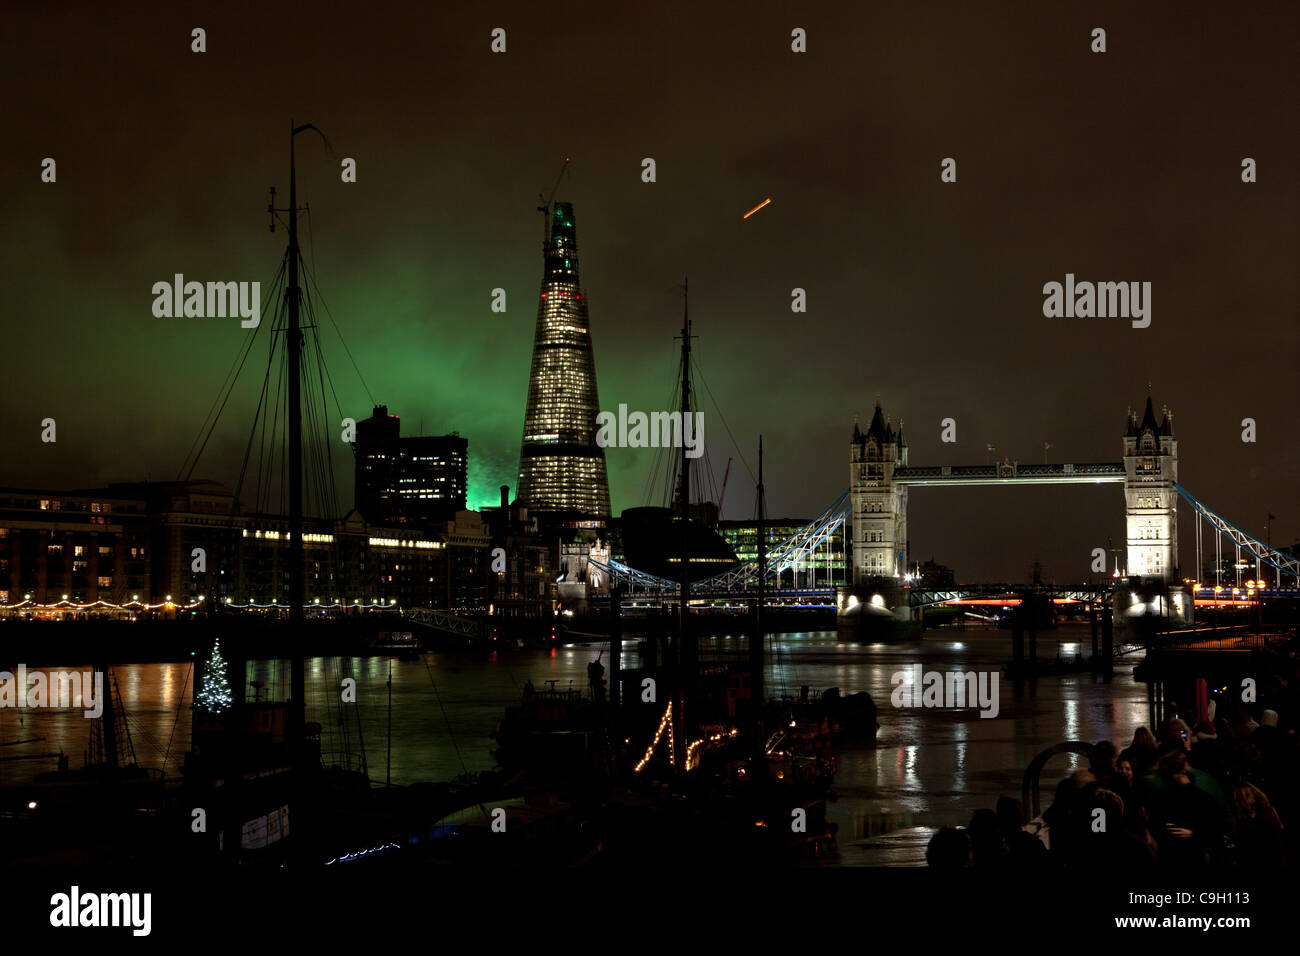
928,768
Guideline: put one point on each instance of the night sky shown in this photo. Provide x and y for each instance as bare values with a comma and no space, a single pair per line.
1122,166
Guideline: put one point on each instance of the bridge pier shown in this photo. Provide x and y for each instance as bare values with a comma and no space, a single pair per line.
1092,621
615,653
1107,644
1033,638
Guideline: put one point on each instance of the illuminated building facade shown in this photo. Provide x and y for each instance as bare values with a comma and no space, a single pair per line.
135,546
879,517
825,566
407,481
561,468
1150,474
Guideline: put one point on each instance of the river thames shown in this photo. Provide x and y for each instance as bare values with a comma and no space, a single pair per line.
928,767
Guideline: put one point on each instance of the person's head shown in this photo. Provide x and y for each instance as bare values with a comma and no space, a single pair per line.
949,849
1082,779
1143,739
1173,768
1242,718
1178,731
1008,815
1268,718
1248,800
1103,758
1124,766
1113,805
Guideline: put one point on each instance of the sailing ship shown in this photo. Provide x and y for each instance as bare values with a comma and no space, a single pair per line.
698,763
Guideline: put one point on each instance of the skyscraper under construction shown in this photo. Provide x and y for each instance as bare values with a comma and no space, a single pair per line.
561,468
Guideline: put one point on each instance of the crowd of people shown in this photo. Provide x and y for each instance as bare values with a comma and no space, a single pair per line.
1187,798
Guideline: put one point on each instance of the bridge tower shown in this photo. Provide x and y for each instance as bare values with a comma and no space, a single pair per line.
879,512
1150,471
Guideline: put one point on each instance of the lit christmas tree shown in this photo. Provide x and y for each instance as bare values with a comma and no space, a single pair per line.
215,695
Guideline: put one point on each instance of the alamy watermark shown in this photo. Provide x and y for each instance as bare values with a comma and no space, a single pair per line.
213,300
74,909
949,689
1086,300
656,430
55,689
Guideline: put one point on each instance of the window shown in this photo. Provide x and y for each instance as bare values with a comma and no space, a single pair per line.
105,581
79,551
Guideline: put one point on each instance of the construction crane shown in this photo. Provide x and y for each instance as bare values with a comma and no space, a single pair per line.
545,208
723,493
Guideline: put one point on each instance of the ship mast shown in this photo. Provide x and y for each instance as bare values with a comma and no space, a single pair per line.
298,684
293,346
686,657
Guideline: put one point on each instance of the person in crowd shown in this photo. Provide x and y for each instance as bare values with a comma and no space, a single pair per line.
988,848
948,850
1258,844
1242,725
1185,819
1142,751
1205,751
1176,731
1102,762
1110,843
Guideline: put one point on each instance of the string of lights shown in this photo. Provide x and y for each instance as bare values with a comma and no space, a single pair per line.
67,605
692,750
664,723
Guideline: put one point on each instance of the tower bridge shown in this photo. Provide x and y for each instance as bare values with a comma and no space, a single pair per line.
875,508
880,476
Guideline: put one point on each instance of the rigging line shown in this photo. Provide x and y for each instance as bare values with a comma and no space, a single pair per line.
727,427
280,389
266,451
322,375
236,368
266,447
262,417
327,444
310,429
236,363
257,415
321,447
212,428
664,463
323,365
343,734
263,483
667,462
311,275
180,704
445,718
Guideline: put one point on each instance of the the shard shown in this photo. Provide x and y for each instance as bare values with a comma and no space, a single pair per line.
561,468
